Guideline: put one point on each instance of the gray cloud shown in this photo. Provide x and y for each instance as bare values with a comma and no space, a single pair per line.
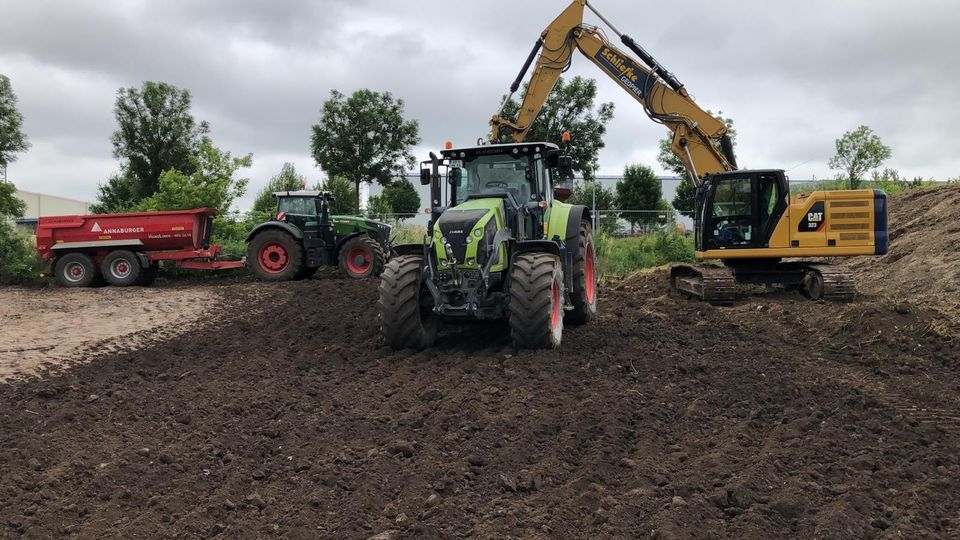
793,75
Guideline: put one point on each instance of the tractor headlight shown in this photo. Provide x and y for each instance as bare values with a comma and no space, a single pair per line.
471,262
469,240
478,233
443,262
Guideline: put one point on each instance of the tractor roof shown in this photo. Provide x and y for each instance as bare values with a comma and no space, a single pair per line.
502,148
301,193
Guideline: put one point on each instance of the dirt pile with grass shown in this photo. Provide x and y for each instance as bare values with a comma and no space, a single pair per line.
663,418
922,267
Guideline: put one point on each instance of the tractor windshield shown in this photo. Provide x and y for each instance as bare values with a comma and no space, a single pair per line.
498,173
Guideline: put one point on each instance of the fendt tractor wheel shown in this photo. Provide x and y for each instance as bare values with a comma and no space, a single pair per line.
584,294
75,270
536,301
121,268
404,321
275,256
361,257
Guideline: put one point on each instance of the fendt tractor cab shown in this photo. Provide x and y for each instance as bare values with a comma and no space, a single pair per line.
303,236
498,245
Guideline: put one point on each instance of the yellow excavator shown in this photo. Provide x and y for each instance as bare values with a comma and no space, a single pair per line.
745,218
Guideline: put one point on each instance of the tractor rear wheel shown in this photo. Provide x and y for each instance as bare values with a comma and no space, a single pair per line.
536,301
584,294
75,270
404,321
274,255
361,257
121,268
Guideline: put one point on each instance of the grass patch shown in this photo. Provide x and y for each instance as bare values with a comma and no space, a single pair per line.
619,256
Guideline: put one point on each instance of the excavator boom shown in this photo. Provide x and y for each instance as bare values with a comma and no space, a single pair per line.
700,140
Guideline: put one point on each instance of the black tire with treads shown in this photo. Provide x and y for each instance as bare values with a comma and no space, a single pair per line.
404,322
75,270
372,247
583,297
292,250
536,301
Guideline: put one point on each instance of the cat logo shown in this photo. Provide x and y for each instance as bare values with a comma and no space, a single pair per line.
815,217
96,227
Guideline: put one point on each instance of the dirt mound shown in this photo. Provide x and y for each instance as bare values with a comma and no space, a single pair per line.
662,418
923,264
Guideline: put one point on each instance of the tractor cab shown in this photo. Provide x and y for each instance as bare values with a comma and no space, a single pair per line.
305,209
739,209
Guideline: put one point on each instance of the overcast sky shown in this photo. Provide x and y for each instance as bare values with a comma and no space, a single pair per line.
794,75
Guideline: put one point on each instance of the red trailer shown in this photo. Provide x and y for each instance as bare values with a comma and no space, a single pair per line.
126,249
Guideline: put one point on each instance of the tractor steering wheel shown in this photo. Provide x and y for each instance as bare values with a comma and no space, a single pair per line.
496,184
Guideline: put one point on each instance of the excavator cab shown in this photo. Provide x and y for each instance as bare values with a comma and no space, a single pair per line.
739,209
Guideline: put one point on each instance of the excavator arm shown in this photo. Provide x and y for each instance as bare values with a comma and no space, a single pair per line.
700,141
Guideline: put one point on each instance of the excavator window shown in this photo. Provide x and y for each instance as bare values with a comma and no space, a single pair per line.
743,208
733,218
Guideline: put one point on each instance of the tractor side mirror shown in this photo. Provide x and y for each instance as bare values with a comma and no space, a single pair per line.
454,176
425,177
565,166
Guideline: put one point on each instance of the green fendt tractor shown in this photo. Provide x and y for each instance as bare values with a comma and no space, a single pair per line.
498,245
304,236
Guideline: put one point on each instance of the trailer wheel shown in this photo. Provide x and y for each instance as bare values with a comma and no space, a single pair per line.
121,268
362,257
275,256
75,270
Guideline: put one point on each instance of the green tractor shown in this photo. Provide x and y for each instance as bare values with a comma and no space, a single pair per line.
499,245
304,236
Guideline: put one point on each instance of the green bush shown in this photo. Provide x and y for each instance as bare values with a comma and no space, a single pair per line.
618,256
408,234
19,262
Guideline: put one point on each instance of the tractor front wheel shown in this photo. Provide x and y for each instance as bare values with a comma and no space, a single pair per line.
361,257
404,321
536,301
275,256
584,295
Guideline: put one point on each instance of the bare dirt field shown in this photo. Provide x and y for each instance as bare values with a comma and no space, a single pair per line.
663,418
47,328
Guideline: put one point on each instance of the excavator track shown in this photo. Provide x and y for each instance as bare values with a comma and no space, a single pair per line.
829,283
714,284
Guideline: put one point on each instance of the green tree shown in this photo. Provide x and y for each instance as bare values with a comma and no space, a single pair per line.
18,260
11,207
583,194
156,133
12,139
403,198
684,198
287,180
640,189
116,195
569,107
211,185
859,151
379,206
344,202
364,138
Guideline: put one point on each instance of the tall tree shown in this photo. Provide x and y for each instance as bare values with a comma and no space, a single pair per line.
364,138
10,206
287,180
570,107
344,202
210,185
156,132
12,139
859,151
683,199
403,198
379,207
640,190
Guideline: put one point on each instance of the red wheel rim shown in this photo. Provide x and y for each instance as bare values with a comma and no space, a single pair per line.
273,258
589,276
555,316
75,272
359,260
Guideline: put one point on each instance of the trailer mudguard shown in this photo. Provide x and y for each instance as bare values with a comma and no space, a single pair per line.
281,225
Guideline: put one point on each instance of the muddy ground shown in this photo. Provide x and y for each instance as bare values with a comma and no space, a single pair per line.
663,418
